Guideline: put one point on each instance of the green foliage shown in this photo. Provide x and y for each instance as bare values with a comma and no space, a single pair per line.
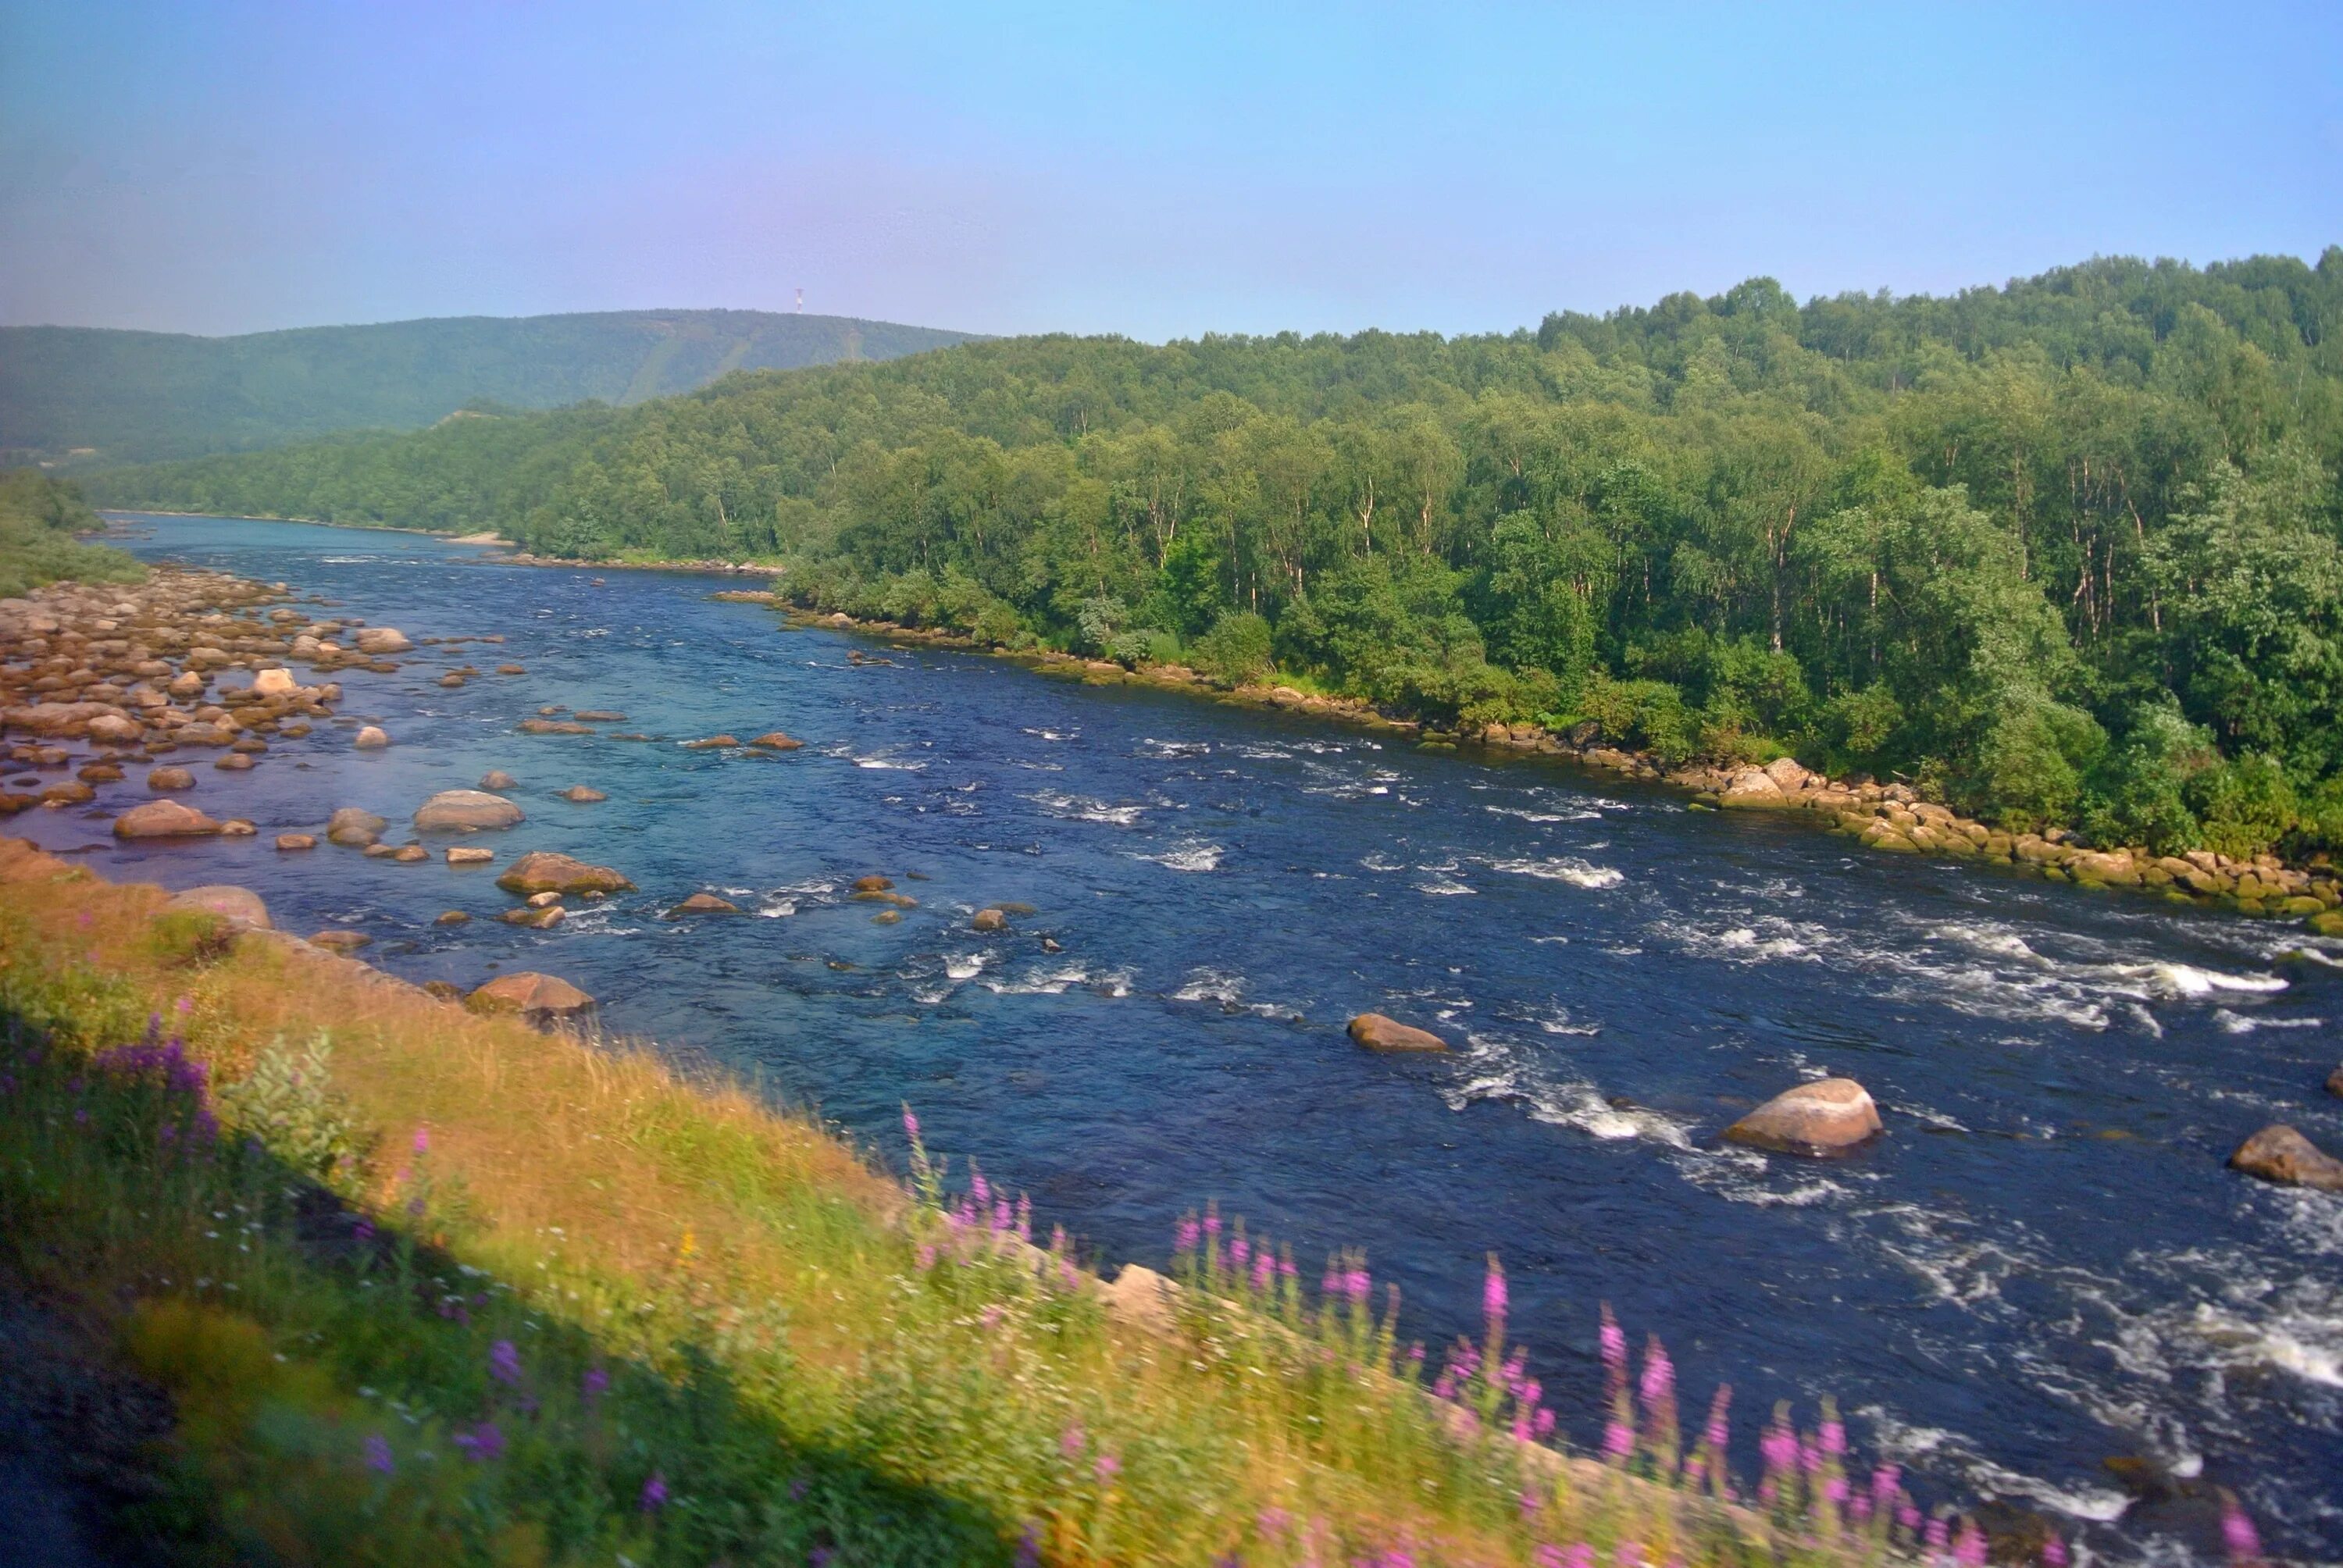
1236,650
2247,806
38,519
288,1102
1953,539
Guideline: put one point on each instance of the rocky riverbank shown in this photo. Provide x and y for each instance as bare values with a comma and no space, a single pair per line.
1892,817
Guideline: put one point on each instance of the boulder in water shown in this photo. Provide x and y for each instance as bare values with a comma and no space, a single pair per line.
583,795
464,855
539,999
238,905
872,884
273,682
373,738
296,840
1374,1031
990,919
711,743
704,904
497,778
464,812
1832,1117
553,727
452,917
543,872
2279,1153
776,741
161,778
599,716
382,639
163,819
341,941
354,827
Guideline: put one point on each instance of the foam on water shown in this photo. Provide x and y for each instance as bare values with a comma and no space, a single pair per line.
1191,855
1568,869
1082,809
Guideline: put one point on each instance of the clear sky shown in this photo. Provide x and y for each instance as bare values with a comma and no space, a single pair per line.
1159,171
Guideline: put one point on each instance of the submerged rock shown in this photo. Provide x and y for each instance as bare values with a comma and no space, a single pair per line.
163,819
161,778
466,855
2279,1153
538,998
1374,1031
497,778
452,917
704,904
354,827
542,871
466,811
553,727
341,941
296,840
1833,1117
776,741
872,884
382,639
990,919
240,906
583,795
711,743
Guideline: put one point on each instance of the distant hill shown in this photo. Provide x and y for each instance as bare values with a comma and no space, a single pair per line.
80,397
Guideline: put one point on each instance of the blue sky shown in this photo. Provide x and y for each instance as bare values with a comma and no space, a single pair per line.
1159,171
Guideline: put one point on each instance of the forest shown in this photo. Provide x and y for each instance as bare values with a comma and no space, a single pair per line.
39,516
2067,550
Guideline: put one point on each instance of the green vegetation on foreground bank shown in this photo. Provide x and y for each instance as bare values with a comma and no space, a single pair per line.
84,395
38,519
429,1287
2067,551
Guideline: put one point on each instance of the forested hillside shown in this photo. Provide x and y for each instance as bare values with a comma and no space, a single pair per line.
84,395
2062,551
39,516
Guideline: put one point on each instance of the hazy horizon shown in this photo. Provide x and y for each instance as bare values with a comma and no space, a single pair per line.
225,168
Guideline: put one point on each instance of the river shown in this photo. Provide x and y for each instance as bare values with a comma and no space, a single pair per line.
2043,1266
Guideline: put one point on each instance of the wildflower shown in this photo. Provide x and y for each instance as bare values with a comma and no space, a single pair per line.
2053,1553
910,1125
361,1230
981,1190
1833,1438
1183,1240
1614,1347
1970,1549
1542,1425
1029,1547
1937,1533
2238,1531
504,1363
1659,1377
1719,1408
1629,1555
927,1256
1493,1293
992,1314
378,1454
1212,1223
688,1248
1240,1252
1356,1285
1618,1439
1547,1557
1107,1467
593,1385
485,1443
1264,1270
1579,1556
422,1140
186,1005
654,1497
1024,1217
1070,1440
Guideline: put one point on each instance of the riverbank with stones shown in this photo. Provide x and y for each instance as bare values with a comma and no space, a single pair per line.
1891,818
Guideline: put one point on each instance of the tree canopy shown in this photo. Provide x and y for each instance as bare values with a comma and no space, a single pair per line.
2066,549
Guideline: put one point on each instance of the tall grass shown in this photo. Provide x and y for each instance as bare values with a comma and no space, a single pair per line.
432,1288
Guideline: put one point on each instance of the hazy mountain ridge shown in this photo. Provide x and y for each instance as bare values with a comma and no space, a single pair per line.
80,396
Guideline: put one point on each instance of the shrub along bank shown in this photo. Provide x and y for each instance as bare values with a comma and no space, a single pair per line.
430,1287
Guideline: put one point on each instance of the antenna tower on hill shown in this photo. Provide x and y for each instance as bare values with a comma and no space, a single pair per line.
800,302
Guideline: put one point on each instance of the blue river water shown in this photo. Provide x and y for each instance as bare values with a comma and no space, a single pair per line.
2043,1266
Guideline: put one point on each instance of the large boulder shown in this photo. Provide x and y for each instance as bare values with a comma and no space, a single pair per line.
775,741
1751,786
583,795
275,681
354,827
164,819
381,639
543,872
539,999
161,778
114,730
1834,1116
1787,774
704,904
2279,1153
497,778
1374,1031
464,812
373,738
240,906
990,919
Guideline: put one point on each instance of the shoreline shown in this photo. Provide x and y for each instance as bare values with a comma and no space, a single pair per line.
1893,819
114,515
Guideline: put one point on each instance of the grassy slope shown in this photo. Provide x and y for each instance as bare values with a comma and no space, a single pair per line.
138,396
802,1354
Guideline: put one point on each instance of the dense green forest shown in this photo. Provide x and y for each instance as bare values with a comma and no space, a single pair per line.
2065,550
38,519
86,396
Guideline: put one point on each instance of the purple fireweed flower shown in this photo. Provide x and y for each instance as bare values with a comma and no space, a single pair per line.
1659,1376
654,1495
979,1189
361,1230
1937,1533
1183,1238
1071,1441
1834,1489
1546,1557
1444,1386
910,1125
1067,1276
1107,1467
1833,1438
1492,1293
1331,1285
1858,1508
1264,1270
1882,1484
1285,1268
485,1443
1003,1218
1614,1346
2053,1553
1618,1439
1357,1285
1542,1425
927,1256
423,1140
1029,1547
1240,1252
1581,1555
1213,1223
1719,1411
1024,1217
504,1363
1630,1554
1908,1515
378,1454
2238,1531
1970,1549
594,1384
